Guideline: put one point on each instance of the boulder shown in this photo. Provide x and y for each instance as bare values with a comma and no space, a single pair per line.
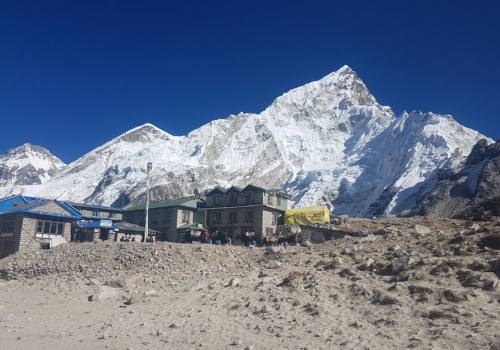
116,283
383,298
421,229
104,293
454,296
306,244
233,282
274,264
491,241
400,264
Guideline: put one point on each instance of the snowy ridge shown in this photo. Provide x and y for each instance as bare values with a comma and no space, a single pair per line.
329,140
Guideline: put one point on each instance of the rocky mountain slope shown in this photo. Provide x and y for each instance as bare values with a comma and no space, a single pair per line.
27,165
329,140
471,190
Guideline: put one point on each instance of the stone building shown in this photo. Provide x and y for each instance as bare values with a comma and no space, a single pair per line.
96,222
98,212
251,211
167,216
33,225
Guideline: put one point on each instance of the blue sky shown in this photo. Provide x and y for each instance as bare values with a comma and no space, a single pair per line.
74,74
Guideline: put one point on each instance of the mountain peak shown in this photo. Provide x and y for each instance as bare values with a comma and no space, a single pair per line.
338,90
143,132
28,164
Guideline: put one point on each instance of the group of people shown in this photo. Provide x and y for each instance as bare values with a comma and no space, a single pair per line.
223,238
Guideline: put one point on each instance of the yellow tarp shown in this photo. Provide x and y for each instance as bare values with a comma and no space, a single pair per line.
318,214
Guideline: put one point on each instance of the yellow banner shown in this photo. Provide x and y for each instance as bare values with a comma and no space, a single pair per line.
318,214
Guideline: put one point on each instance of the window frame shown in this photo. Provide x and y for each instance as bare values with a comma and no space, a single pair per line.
249,216
233,217
186,216
58,230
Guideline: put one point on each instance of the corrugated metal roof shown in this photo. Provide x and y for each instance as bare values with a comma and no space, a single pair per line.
21,205
91,206
127,226
170,203
243,189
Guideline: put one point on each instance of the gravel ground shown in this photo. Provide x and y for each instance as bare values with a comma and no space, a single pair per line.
404,283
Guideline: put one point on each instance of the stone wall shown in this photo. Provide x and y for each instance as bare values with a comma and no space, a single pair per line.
28,241
51,207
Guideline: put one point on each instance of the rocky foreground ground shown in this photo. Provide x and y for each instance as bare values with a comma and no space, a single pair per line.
395,283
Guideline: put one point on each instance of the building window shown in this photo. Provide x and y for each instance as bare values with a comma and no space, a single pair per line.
249,216
278,200
95,213
112,215
248,198
217,217
233,217
186,216
218,199
234,199
270,199
269,231
7,225
49,229
275,218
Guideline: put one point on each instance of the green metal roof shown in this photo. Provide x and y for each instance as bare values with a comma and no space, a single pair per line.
127,226
242,189
170,203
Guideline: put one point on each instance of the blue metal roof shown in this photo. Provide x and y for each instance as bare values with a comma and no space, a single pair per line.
94,207
28,205
12,201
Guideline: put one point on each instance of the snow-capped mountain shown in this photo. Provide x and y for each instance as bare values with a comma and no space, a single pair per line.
328,140
28,164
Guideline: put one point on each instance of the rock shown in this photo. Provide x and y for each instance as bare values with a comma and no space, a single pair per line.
415,289
312,310
272,250
421,229
274,264
369,238
360,290
474,227
104,293
491,241
473,279
447,313
382,298
151,293
400,264
133,299
394,248
496,267
306,244
236,341
134,280
116,283
233,282
454,296
352,249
